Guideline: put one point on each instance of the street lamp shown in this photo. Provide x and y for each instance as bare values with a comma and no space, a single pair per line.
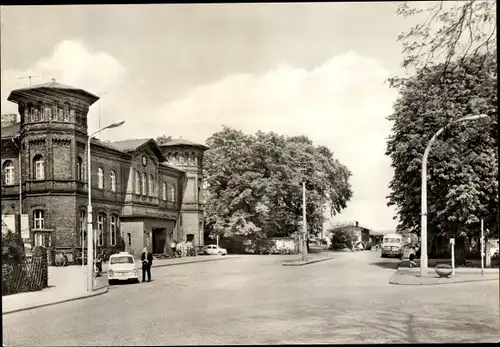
90,231
423,212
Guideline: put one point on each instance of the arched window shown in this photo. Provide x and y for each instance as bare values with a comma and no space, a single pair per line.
113,227
100,229
8,171
172,192
100,178
38,167
144,184
151,186
164,191
79,169
137,183
38,219
112,175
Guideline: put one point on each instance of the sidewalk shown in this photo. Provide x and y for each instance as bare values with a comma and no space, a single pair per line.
177,261
313,257
65,284
411,276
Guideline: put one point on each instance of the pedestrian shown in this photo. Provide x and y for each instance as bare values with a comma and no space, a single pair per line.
172,246
147,261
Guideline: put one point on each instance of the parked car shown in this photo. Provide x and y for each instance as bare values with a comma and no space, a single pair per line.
122,267
214,250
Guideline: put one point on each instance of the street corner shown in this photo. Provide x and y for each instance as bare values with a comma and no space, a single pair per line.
406,277
25,306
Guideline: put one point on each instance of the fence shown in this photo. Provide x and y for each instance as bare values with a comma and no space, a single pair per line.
29,275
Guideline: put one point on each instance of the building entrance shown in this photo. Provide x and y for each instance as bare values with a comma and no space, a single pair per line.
159,240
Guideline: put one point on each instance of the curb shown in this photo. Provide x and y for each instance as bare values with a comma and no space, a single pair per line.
308,263
442,283
95,293
188,262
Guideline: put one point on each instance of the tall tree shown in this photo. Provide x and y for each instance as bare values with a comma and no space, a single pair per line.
463,162
254,183
448,33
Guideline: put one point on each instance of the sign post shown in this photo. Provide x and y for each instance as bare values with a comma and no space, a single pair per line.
452,243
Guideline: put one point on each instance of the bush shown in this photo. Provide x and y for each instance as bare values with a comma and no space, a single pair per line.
342,238
12,248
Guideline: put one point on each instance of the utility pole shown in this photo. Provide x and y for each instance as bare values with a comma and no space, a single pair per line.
482,247
304,226
29,77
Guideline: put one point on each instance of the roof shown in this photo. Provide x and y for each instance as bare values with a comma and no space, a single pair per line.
129,145
41,90
133,145
11,130
182,142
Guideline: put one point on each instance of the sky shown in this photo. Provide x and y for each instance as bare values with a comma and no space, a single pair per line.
317,69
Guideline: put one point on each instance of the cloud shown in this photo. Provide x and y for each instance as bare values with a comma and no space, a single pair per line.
71,63
341,104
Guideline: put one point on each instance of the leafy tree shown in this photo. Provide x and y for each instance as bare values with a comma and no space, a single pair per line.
254,184
463,163
342,237
458,33
163,139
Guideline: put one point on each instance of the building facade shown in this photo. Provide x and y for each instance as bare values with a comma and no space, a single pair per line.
143,194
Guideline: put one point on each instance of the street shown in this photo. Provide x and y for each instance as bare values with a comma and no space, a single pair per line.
256,300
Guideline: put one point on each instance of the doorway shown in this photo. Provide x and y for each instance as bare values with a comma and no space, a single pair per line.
159,240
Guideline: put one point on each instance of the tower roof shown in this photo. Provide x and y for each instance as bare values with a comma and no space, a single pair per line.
51,89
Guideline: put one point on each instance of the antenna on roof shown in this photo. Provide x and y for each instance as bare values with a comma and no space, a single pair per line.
29,77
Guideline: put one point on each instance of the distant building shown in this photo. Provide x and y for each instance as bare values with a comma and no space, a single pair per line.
143,194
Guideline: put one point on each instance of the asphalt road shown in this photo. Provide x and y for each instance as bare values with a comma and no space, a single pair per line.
256,300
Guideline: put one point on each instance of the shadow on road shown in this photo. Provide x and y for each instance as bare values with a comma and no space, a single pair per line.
387,264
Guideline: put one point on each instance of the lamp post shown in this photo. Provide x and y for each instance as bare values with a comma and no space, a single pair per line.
90,231
423,212
304,224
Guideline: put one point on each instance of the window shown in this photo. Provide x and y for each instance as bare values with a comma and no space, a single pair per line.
38,167
42,240
112,230
164,191
172,192
112,175
129,239
83,225
151,186
137,183
38,220
79,169
8,171
144,190
100,229
100,178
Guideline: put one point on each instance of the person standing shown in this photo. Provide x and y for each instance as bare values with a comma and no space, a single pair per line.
147,261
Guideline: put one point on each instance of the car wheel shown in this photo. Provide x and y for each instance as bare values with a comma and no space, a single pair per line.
220,253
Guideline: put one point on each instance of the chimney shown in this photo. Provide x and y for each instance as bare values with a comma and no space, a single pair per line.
9,119
357,224
53,80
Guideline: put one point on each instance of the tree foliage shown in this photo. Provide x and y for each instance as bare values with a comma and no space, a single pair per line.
463,163
12,248
342,237
163,139
254,184
460,33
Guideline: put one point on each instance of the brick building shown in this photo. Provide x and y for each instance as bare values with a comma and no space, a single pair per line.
143,193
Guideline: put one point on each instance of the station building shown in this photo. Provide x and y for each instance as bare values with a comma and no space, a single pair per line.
144,194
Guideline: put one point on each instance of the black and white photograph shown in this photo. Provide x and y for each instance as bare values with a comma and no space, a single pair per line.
249,173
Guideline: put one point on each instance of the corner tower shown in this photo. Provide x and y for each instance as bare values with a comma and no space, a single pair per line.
188,156
53,135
